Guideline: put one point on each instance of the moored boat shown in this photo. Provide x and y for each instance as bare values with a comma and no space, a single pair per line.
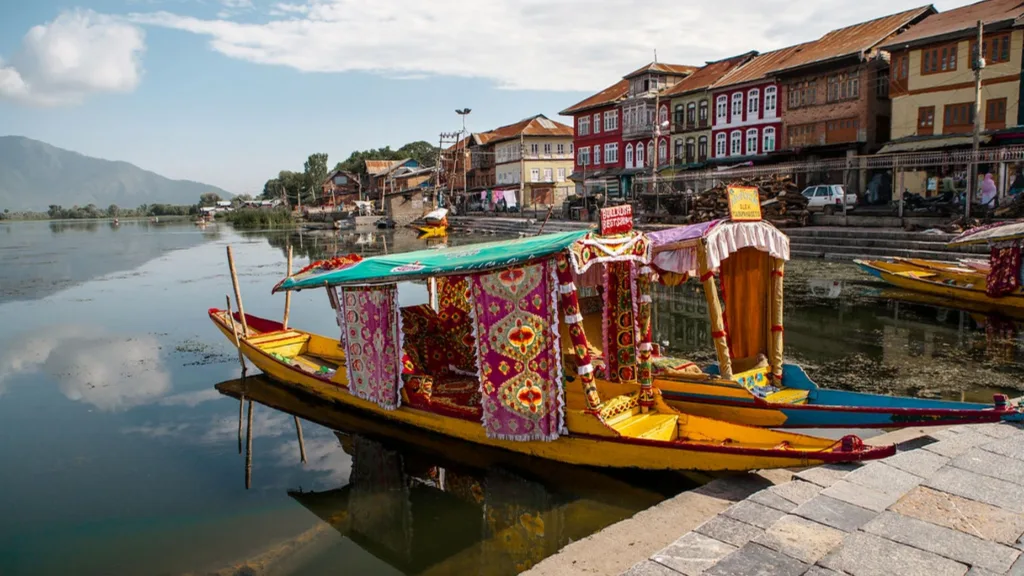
434,224
501,358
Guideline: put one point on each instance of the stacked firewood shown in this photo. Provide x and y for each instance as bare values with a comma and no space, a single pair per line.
781,201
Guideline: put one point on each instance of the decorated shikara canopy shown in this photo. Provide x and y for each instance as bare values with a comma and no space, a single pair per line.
676,249
1001,232
460,260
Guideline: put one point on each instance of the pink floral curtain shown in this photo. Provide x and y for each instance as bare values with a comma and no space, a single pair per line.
373,344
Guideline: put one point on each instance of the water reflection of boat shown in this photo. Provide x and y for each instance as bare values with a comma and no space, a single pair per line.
824,288
428,505
433,224
513,398
945,303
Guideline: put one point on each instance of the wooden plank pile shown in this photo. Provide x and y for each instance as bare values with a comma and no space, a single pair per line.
781,201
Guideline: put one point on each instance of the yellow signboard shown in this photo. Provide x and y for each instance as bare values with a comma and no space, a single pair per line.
744,204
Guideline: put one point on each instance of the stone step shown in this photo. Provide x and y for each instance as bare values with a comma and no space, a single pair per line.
879,233
834,252
871,244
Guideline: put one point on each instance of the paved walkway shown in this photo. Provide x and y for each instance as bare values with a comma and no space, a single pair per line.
952,506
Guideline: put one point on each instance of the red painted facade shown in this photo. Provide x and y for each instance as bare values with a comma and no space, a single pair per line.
759,116
601,138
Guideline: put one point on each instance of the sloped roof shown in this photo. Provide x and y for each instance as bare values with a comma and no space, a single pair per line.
960,22
607,96
856,39
760,66
663,68
538,125
707,75
375,167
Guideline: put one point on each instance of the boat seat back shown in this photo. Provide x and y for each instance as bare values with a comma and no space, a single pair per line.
787,396
757,382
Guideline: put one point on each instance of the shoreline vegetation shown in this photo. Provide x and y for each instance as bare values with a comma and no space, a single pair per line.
258,218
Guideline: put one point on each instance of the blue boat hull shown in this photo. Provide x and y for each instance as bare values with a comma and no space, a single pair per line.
840,409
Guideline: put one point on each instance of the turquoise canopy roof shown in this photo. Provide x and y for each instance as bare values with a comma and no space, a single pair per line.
428,263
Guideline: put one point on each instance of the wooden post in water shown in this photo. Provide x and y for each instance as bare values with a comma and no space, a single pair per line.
238,293
288,294
248,449
234,332
302,445
241,406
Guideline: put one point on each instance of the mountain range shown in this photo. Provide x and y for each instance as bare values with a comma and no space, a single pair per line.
34,175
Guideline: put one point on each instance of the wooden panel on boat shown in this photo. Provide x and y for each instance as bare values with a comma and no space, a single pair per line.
788,396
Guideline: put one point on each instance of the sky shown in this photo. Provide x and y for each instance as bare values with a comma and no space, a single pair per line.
229,92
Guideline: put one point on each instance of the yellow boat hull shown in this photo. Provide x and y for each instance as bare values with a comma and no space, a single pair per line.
432,231
709,445
949,282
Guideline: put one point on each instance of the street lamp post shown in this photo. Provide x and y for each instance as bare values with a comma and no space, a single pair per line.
465,184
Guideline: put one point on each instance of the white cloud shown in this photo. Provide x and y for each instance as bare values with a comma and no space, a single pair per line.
518,44
77,54
192,399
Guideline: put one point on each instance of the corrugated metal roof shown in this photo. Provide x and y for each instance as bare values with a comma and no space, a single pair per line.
760,66
681,69
538,125
708,75
375,167
855,39
607,96
960,20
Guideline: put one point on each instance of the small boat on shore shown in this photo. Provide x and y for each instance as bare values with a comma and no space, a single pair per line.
500,357
434,224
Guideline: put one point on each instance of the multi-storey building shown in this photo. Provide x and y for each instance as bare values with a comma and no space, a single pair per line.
690,102
931,81
835,90
645,114
534,156
598,140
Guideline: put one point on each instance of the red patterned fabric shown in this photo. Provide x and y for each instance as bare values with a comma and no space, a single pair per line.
620,353
571,310
455,315
1004,276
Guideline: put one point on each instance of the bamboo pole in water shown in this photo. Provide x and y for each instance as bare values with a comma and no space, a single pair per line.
302,445
238,293
241,407
288,294
234,332
248,449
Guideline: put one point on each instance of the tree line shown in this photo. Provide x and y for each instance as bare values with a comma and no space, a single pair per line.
306,184
58,212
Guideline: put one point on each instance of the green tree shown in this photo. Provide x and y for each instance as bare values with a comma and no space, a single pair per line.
422,152
209,199
113,211
238,200
315,172
55,211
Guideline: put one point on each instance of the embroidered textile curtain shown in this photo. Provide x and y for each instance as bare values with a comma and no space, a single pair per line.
620,322
373,346
455,313
518,350
1004,274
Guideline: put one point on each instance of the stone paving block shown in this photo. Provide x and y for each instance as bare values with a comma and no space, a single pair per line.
862,496
692,554
797,491
953,446
1018,567
819,571
753,513
834,513
972,486
975,571
991,464
649,568
756,560
970,517
867,555
997,430
729,531
828,474
952,544
885,478
919,462
1012,447
772,500
800,538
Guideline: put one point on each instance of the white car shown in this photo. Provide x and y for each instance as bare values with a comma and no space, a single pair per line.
828,198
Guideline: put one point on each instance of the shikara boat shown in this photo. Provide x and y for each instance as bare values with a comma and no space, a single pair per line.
500,357
742,264
434,224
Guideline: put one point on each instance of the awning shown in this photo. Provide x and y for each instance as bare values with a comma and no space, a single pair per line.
675,249
915,143
990,233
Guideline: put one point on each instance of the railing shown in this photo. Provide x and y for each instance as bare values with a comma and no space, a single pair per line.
637,130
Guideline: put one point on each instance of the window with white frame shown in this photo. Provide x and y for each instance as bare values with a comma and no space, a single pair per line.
583,156
597,122
720,145
753,103
611,120
561,174
769,101
611,153
662,152
535,175
663,115
547,149
737,106
570,149
534,150
597,155
722,109
650,152
583,126
702,148
639,156
629,155
752,141
560,148
736,143
547,175
769,139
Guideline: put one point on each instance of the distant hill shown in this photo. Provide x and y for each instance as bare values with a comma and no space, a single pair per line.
34,174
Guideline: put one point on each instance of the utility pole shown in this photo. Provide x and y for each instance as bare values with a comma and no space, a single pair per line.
465,142
978,64
657,144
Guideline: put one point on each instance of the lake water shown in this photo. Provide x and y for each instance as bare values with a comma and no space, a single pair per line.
119,414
